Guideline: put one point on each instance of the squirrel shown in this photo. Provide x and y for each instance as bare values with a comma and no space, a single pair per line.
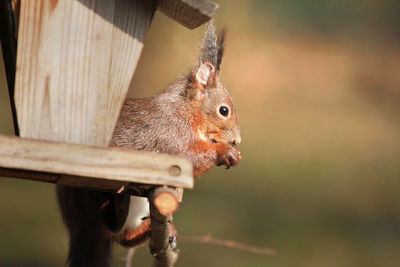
194,118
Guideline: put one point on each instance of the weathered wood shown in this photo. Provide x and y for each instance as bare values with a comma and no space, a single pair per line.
9,48
115,166
68,180
160,245
190,13
29,175
74,66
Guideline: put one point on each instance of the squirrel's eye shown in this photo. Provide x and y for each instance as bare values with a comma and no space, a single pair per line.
224,111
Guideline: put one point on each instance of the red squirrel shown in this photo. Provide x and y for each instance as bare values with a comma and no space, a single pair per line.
194,118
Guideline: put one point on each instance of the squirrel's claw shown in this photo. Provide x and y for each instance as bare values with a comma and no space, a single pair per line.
229,157
173,240
224,161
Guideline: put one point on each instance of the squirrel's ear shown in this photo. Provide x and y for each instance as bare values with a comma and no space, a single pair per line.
203,74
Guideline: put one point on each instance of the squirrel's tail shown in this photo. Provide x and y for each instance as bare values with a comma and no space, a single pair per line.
82,211
90,249
212,46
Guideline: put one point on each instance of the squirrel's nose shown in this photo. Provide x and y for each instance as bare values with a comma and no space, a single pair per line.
236,141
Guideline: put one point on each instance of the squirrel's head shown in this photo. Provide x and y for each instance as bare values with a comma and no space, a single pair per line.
219,120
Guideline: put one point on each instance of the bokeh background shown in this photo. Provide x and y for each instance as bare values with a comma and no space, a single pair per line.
317,89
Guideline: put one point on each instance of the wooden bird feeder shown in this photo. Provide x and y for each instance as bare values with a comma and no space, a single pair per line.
75,62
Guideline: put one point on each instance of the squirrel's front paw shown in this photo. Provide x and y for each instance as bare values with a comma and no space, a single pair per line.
228,156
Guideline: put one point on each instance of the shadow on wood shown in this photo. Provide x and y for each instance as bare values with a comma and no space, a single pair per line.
89,166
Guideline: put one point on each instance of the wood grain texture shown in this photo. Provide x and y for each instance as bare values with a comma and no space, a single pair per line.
105,167
190,13
67,180
75,61
165,200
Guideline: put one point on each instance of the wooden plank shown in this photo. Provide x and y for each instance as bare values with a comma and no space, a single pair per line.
113,165
75,62
67,180
190,13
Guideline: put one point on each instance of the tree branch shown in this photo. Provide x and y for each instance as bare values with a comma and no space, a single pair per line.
161,230
207,239
129,256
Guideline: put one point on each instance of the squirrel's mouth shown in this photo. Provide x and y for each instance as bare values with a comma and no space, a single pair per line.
208,137
217,137
213,137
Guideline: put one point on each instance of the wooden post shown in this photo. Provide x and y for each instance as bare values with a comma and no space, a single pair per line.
74,66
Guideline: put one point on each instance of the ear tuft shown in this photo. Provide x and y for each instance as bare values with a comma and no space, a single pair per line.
221,47
212,46
204,73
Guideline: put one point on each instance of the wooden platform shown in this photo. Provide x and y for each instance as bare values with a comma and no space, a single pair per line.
110,169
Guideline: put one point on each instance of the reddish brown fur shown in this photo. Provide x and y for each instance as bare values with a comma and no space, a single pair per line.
136,236
169,123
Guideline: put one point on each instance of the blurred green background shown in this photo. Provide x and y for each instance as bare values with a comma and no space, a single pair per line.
317,89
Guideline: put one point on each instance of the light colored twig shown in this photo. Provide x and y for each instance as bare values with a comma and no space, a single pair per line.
208,239
129,257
